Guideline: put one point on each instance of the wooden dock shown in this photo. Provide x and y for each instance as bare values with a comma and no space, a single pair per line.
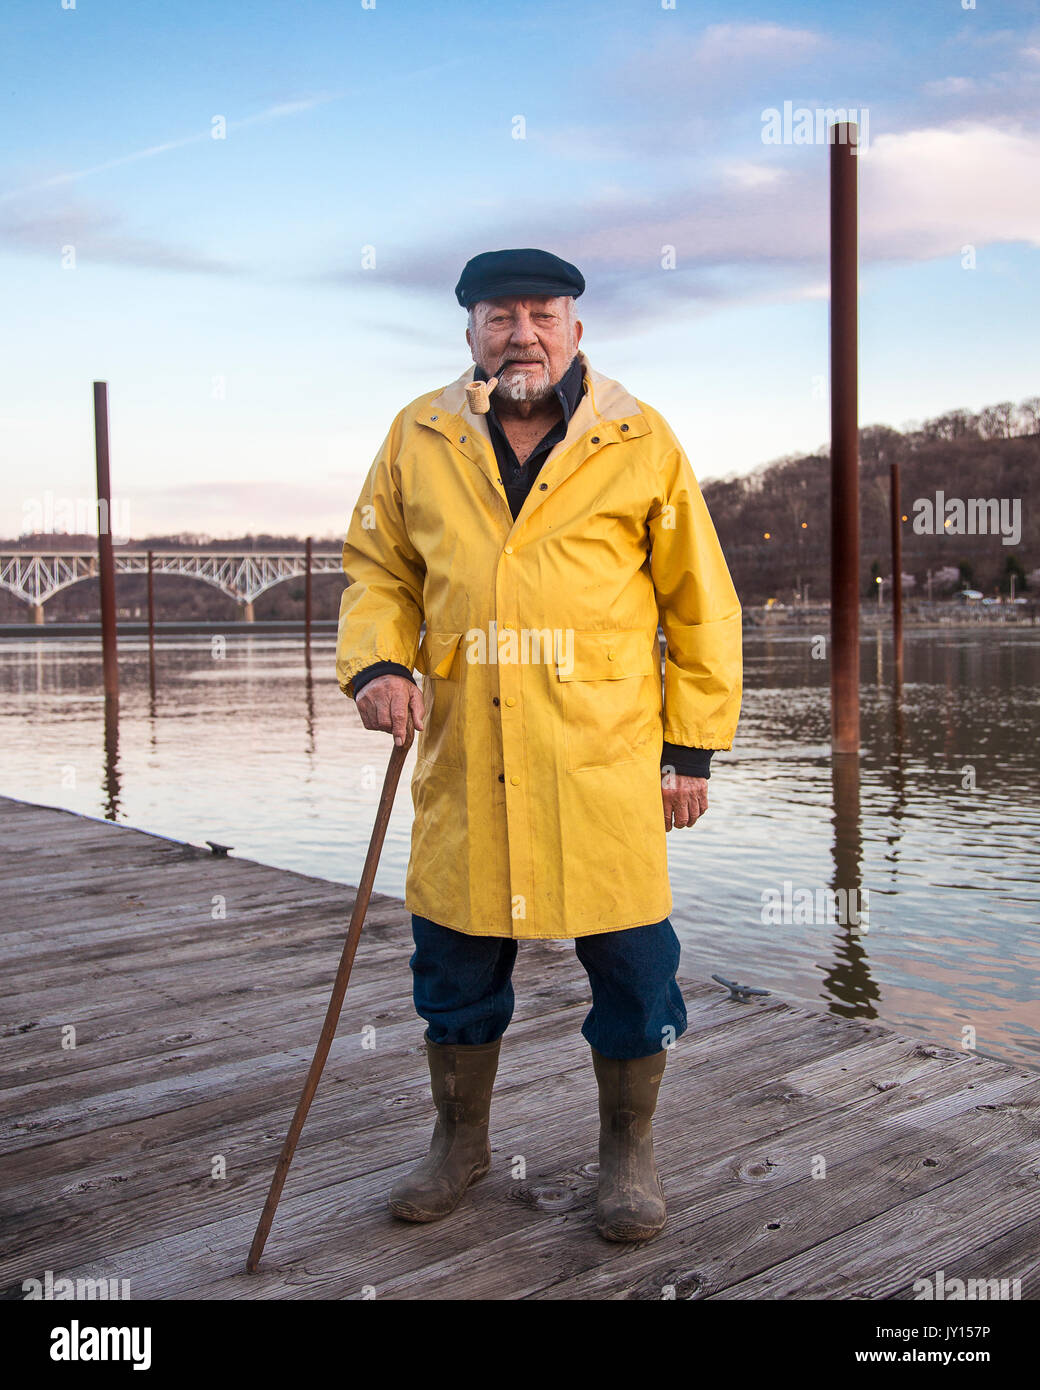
193,1032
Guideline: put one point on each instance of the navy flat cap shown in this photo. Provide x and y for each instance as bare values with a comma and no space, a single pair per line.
495,274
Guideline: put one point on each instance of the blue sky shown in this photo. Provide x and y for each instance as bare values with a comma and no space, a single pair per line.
254,365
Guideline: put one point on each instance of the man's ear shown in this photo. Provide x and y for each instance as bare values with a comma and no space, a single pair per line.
469,344
578,330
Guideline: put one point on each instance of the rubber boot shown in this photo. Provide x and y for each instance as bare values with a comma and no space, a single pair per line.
461,1081
630,1203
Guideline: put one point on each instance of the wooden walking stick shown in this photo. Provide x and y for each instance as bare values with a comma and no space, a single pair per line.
339,989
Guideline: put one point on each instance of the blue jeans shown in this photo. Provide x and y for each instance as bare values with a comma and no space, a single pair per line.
462,986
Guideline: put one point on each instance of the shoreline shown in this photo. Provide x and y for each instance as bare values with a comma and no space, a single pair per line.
757,618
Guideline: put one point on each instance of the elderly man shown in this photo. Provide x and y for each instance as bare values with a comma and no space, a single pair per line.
541,526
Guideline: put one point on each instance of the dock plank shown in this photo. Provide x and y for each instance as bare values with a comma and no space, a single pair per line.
194,1035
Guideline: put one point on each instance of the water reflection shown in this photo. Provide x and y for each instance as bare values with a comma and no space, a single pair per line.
851,992
896,775
110,781
311,744
248,741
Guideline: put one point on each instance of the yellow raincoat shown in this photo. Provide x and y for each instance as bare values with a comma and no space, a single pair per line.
537,785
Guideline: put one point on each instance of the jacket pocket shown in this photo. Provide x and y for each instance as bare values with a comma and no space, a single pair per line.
611,689
440,665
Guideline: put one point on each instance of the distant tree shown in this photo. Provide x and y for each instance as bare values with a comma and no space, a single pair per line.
913,435
1006,413
1013,566
1029,415
955,424
996,421
880,445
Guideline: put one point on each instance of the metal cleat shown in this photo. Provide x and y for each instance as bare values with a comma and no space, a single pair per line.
741,994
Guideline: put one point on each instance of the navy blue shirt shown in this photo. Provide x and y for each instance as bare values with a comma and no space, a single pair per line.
517,480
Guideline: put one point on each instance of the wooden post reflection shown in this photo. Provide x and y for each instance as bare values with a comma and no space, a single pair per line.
309,701
851,990
898,779
110,783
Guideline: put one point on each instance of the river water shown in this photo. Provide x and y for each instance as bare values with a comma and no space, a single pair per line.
905,890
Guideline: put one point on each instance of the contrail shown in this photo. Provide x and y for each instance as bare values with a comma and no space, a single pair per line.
272,113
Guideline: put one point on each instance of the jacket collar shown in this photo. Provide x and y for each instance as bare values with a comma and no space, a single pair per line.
606,414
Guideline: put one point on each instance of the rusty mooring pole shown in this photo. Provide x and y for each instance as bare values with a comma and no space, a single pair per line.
307,593
897,571
844,442
151,617
106,562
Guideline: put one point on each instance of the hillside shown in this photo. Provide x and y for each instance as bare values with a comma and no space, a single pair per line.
773,524
995,454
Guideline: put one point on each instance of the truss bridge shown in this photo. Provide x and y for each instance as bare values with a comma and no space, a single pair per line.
36,576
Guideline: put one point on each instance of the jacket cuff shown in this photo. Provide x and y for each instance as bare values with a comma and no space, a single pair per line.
379,668
687,762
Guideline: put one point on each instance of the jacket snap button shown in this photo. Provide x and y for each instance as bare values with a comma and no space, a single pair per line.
611,656
501,776
494,699
509,550
462,439
543,487
624,428
515,781
595,439
511,701
433,417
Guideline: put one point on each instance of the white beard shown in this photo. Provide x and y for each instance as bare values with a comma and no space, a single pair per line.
523,386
